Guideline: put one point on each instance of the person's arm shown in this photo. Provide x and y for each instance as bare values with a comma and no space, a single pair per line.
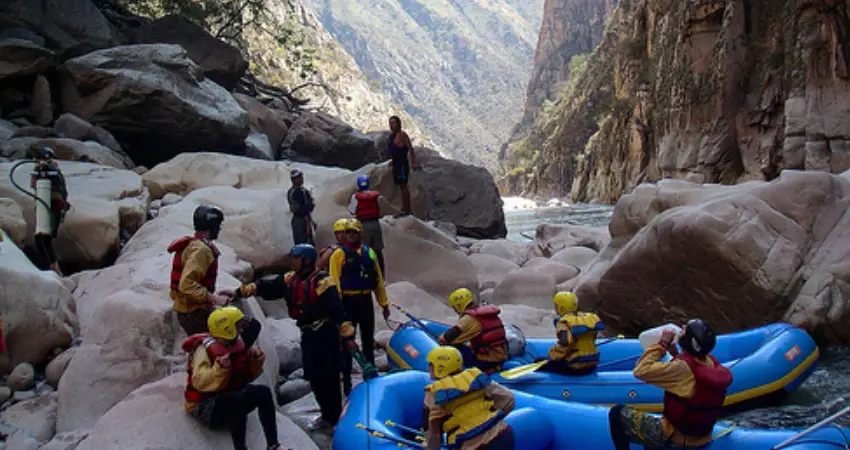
335,269
294,203
409,145
352,205
207,376
502,397
467,328
436,416
380,290
197,259
256,359
674,376
329,299
269,289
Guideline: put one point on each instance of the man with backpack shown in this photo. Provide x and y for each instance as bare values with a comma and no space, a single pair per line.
355,269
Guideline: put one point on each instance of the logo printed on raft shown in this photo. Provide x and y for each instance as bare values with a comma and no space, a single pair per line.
633,394
410,350
793,353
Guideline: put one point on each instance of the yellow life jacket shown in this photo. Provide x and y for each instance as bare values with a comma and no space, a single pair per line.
583,326
470,411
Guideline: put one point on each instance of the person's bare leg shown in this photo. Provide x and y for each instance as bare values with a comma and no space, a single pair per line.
405,199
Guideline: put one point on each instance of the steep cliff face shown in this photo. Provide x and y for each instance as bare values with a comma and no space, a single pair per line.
709,91
459,68
570,29
331,78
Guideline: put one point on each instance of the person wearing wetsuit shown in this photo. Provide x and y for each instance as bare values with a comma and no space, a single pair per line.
399,147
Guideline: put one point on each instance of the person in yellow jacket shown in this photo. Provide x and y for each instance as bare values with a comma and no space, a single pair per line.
482,328
354,267
194,270
574,352
466,405
339,234
221,365
694,384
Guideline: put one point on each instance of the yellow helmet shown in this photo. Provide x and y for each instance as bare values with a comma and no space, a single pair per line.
446,361
340,225
354,224
565,302
460,299
222,322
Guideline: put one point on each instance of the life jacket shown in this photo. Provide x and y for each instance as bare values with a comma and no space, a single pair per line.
470,412
238,371
696,416
367,205
358,270
583,326
304,296
492,329
177,247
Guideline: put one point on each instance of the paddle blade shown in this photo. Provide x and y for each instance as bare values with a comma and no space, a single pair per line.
517,372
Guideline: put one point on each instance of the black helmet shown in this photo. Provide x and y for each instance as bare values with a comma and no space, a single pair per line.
45,153
699,339
208,218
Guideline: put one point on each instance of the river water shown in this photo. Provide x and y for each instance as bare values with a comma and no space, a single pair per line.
825,392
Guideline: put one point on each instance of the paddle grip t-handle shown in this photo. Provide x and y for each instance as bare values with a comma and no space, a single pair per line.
416,321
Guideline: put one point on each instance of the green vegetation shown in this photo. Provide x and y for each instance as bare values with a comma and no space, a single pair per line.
578,64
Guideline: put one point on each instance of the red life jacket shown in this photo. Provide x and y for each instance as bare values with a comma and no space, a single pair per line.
492,329
238,362
303,295
696,416
367,205
177,247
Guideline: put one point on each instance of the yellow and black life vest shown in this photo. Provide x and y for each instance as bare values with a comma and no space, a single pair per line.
583,326
470,411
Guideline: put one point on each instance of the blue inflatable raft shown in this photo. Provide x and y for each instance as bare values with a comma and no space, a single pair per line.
377,412
764,361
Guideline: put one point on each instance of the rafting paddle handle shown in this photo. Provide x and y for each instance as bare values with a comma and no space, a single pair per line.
812,428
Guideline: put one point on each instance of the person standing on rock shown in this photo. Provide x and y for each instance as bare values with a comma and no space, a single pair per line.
399,147
364,206
482,327
301,205
194,270
339,234
575,351
47,169
355,269
221,365
313,301
694,384
466,405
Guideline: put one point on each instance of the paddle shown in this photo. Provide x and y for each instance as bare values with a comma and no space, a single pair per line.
415,320
517,372
399,441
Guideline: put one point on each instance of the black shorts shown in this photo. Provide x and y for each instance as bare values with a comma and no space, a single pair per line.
401,170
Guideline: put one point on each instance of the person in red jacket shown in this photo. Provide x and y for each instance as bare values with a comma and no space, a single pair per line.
694,384
482,328
364,206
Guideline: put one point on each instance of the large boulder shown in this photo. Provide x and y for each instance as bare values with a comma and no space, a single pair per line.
153,417
417,302
743,256
104,201
491,269
36,307
550,239
68,150
461,194
155,100
265,120
222,62
321,139
525,287
71,27
12,221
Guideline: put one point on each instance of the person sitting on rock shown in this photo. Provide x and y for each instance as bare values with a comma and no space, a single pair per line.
339,234
194,270
357,273
364,205
466,405
221,365
313,301
47,169
399,148
300,205
694,384
482,327
574,352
